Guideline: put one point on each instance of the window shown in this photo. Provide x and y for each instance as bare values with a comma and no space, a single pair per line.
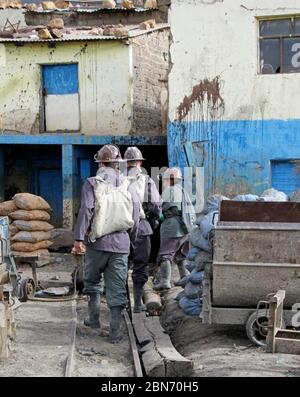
279,41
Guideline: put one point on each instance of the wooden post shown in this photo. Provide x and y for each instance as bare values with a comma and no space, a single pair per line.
4,352
152,300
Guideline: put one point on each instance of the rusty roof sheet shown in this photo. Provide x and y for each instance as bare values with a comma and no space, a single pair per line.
90,10
83,35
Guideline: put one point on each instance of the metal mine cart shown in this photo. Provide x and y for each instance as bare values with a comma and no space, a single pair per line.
256,253
18,287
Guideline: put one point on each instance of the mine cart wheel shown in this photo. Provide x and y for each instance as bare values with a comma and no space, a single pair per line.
257,334
27,289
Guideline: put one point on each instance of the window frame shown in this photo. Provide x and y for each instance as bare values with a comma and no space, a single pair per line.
281,39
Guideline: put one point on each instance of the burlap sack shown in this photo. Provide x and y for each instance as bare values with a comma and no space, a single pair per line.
6,207
34,215
31,237
33,226
27,201
41,253
29,247
13,230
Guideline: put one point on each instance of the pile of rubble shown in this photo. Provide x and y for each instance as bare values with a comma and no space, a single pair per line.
29,227
55,29
190,299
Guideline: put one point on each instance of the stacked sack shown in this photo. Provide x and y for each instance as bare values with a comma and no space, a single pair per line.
29,227
190,299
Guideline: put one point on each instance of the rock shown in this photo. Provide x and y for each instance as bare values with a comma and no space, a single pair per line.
108,4
97,31
109,31
150,4
120,32
144,26
127,4
56,33
44,34
62,4
150,24
15,4
62,238
48,5
3,4
31,7
56,23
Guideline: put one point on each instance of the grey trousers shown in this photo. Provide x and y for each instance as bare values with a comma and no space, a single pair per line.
114,267
140,256
173,249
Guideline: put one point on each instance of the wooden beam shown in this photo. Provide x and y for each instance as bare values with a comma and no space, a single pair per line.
159,356
4,351
152,300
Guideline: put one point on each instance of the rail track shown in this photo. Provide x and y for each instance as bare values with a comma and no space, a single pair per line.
71,358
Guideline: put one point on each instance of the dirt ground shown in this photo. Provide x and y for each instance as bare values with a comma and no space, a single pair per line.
223,351
44,338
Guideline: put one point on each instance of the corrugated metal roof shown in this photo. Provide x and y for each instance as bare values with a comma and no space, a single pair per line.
84,35
94,10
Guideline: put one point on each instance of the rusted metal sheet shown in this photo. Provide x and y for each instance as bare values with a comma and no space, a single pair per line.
255,244
242,285
235,211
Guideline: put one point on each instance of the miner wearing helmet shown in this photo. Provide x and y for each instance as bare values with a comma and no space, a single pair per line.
107,223
179,218
150,212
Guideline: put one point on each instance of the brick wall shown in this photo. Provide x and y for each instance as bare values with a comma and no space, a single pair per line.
150,82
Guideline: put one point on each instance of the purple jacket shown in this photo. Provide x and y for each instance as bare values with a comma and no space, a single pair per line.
153,201
115,242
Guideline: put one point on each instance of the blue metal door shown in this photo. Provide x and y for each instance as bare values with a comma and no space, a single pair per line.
286,175
50,188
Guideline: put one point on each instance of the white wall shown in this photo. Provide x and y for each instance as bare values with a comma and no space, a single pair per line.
220,38
105,85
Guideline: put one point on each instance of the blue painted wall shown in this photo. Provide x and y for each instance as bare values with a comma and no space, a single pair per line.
237,155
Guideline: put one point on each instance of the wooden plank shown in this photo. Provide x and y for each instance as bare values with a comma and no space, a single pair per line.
142,334
175,364
4,351
160,358
242,285
287,346
71,357
134,350
236,211
258,246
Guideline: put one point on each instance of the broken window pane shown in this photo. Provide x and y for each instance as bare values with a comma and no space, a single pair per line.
291,55
270,56
279,27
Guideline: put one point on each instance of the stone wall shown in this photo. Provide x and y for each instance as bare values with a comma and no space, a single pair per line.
150,82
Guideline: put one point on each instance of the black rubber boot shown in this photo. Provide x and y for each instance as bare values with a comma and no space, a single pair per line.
93,320
183,272
115,324
165,277
137,294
